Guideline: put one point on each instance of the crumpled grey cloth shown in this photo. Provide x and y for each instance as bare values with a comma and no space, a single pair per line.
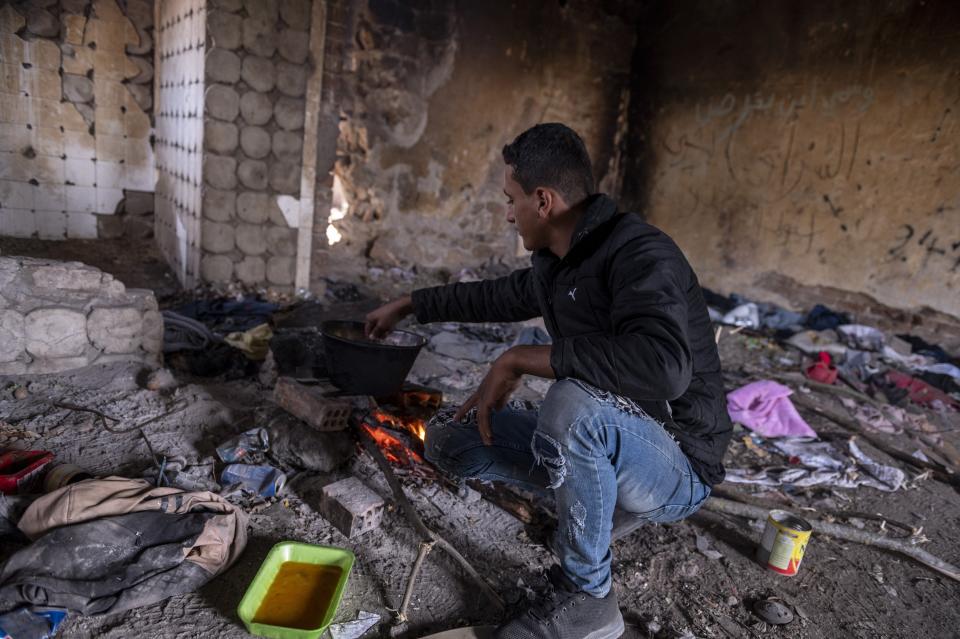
821,463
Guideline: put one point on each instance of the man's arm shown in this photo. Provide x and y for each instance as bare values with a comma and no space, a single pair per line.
505,299
647,357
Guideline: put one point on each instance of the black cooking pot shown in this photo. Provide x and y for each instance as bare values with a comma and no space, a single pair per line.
364,366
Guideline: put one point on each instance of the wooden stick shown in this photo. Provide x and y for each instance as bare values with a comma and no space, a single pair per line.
426,534
847,533
422,552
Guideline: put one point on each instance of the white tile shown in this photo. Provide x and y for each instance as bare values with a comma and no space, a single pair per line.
47,169
48,141
17,195
107,200
17,222
13,137
81,172
13,166
81,199
110,175
79,145
51,197
51,225
110,147
141,178
82,226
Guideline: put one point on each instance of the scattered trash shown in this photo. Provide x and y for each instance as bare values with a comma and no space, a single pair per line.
703,547
262,480
747,315
764,407
235,449
162,542
918,391
185,334
356,628
820,318
812,342
20,469
177,472
773,612
160,380
860,337
254,342
822,370
32,622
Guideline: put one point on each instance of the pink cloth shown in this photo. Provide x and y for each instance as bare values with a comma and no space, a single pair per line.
764,407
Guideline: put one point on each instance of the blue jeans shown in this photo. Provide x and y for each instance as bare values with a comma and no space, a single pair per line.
596,451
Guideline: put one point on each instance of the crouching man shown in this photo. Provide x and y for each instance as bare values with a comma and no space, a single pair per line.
635,427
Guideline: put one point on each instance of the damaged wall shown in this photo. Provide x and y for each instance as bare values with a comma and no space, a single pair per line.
74,116
821,143
428,95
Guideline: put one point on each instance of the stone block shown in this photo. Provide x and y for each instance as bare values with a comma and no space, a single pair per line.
287,145
10,20
281,270
115,330
256,108
253,174
255,142
216,268
259,73
289,112
216,237
223,66
224,29
77,88
140,12
144,70
294,46
351,507
281,241
222,102
42,23
75,6
72,276
219,206
142,95
55,332
250,270
253,207
12,335
220,172
141,41
251,239
260,36
285,177
263,9
291,79
296,13
220,137
309,404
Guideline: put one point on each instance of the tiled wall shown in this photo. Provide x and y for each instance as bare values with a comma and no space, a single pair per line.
73,137
180,30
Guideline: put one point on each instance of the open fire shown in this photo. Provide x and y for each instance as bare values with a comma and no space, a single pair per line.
399,423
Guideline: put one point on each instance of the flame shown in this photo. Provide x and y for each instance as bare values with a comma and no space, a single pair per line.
415,426
393,449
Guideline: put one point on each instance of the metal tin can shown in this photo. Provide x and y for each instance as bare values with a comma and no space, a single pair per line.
783,543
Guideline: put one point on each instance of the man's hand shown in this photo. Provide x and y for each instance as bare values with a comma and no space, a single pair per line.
382,320
501,382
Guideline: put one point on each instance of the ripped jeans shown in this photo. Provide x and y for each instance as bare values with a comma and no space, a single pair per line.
596,451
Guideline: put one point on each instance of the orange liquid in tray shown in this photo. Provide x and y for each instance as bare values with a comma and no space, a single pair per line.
299,595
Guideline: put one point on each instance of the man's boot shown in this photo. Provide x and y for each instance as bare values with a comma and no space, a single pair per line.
566,613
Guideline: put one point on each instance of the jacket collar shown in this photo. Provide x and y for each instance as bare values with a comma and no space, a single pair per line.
600,209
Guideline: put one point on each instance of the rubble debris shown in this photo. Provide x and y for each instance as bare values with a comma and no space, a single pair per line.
351,507
258,479
235,449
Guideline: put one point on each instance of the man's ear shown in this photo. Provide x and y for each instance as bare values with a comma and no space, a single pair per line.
545,201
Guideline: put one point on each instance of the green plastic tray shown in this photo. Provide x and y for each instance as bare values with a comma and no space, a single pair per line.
293,551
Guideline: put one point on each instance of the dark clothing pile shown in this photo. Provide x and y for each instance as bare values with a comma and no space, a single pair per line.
626,314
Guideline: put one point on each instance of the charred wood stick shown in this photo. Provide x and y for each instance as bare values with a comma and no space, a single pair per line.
846,533
413,517
770,504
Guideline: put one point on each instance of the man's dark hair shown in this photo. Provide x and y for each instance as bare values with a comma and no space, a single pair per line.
551,155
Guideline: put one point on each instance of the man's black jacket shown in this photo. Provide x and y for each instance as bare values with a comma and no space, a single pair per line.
626,314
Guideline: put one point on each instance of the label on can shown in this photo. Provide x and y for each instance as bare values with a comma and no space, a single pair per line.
784,542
